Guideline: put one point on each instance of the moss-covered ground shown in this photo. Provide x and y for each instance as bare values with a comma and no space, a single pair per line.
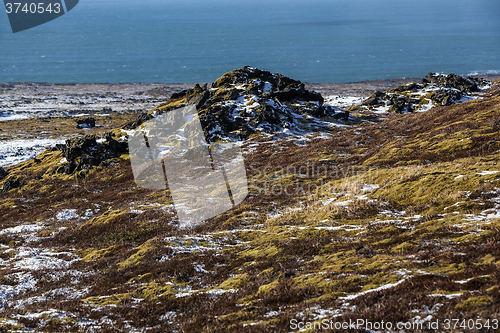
380,221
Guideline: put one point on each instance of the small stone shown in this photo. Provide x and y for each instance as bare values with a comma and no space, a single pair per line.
3,173
85,123
11,183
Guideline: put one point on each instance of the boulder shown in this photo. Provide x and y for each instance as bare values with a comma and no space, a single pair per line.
85,123
446,97
11,183
3,173
86,153
375,99
463,84
402,103
408,87
245,101
436,88
344,116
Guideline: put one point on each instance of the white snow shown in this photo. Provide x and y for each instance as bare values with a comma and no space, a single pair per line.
17,151
27,229
485,173
67,214
341,101
449,296
36,259
384,287
367,188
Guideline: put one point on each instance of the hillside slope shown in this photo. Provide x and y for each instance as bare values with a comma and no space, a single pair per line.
396,221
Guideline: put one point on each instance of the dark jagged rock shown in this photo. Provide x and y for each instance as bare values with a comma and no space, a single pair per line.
245,101
3,173
86,123
11,183
412,86
86,153
464,84
446,97
375,99
344,116
139,121
434,90
402,103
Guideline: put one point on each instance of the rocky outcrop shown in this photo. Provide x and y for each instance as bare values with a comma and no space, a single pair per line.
11,183
3,173
88,152
245,101
446,97
375,99
433,90
85,123
463,84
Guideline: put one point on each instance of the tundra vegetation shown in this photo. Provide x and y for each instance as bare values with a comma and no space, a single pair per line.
393,220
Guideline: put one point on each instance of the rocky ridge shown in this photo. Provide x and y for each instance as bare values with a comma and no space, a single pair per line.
434,90
82,154
247,101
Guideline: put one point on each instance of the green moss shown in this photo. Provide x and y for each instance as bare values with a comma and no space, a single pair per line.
7,204
93,254
487,260
390,230
45,189
380,279
492,289
473,303
154,290
445,292
105,178
171,104
47,160
412,162
266,272
7,254
239,316
467,239
107,300
139,254
9,325
46,232
260,251
104,218
314,280
444,268
405,247
140,278
234,282
267,288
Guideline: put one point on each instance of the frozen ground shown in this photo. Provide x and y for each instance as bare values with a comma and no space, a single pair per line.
17,151
24,100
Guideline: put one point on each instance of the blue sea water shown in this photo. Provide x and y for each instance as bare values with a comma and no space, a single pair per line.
180,41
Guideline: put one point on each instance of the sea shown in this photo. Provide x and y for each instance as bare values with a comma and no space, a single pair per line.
319,41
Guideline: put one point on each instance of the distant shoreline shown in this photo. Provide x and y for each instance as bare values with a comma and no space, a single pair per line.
357,88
